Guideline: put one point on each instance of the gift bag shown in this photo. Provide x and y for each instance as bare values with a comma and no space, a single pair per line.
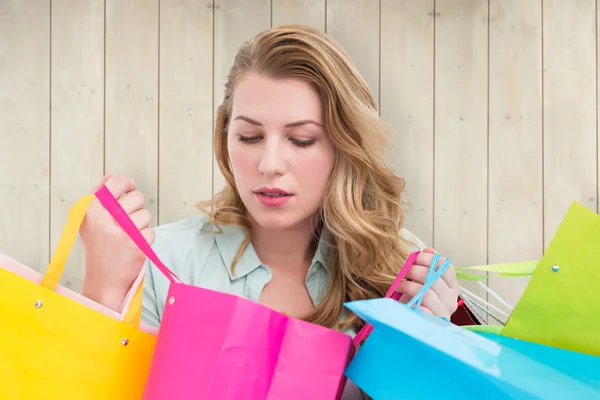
582,367
57,344
414,355
560,306
214,345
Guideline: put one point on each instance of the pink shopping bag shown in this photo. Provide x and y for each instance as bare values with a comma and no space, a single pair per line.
214,345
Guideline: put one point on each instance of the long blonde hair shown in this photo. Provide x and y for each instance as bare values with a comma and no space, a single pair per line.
362,206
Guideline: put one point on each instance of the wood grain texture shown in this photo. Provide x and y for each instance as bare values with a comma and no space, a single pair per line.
304,12
355,25
461,131
131,136
25,131
407,67
515,135
186,109
77,117
569,51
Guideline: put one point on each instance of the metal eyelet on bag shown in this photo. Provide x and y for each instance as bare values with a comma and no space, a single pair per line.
555,268
171,300
38,304
124,342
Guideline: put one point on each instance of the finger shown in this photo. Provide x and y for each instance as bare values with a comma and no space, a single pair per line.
449,276
132,202
430,300
103,181
425,309
446,293
429,250
119,185
141,219
149,235
425,259
418,273
406,298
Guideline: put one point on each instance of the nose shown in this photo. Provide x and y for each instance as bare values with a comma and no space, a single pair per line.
272,160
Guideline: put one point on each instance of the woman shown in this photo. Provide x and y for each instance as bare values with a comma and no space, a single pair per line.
310,216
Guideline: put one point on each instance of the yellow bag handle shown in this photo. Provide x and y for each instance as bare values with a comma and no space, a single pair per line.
63,248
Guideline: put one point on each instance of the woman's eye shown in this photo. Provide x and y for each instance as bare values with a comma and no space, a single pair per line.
249,139
303,143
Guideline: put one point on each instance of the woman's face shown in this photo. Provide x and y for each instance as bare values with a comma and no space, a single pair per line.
280,153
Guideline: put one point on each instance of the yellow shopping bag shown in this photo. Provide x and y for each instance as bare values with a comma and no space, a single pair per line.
56,344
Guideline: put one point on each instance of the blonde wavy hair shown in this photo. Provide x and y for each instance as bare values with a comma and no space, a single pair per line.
362,208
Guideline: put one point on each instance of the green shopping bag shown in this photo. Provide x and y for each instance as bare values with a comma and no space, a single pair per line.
560,306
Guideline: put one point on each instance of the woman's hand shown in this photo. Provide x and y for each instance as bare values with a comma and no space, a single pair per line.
112,260
441,299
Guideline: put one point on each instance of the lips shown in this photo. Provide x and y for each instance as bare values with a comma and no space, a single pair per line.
273,197
272,192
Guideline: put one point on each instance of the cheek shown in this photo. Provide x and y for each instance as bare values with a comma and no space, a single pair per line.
316,170
241,160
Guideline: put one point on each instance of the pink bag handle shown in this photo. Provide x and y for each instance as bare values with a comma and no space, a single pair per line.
120,215
391,293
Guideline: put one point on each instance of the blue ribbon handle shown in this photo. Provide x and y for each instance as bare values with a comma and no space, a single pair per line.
432,276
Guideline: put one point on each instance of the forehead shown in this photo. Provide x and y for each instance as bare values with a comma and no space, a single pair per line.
277,100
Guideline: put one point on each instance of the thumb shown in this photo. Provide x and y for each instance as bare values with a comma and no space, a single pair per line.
105,178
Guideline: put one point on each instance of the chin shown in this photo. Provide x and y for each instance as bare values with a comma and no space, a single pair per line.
274,222
277,219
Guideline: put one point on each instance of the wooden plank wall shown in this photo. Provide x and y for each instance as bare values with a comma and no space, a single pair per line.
493,104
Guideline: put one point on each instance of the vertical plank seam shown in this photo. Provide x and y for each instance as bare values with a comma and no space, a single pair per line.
379,60
433,206
104,98
271,17
487,239
212,131
50,131
543,73
597,155
325,5
158,118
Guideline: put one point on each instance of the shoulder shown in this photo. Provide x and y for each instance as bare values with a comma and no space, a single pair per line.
184,244
191,228
192,244
192,238
176,243
412,241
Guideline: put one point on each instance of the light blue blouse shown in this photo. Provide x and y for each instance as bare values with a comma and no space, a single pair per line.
204,259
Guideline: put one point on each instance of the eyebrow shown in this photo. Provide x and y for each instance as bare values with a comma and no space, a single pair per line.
290,125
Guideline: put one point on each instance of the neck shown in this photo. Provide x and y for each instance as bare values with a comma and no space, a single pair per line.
278,248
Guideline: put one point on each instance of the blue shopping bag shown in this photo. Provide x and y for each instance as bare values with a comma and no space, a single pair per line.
414,355
582,367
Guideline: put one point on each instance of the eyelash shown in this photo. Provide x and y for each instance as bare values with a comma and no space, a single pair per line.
254,139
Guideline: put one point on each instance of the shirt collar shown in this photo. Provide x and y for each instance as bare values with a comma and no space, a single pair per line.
323,250
231,238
